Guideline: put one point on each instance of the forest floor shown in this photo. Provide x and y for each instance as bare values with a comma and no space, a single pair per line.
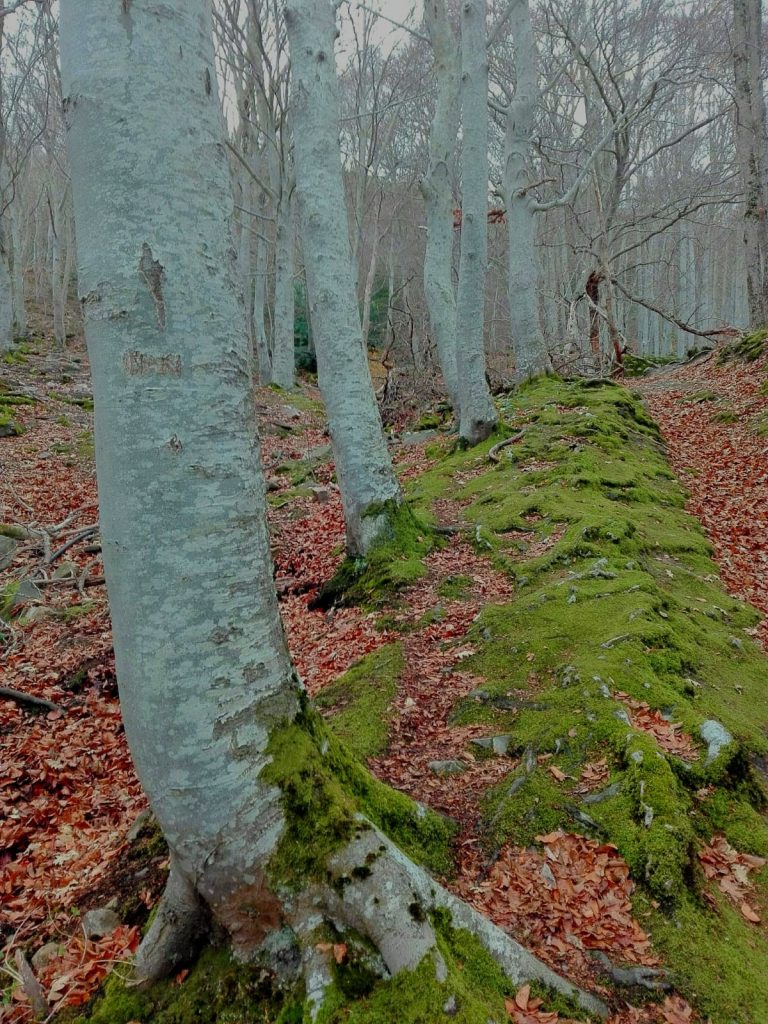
527,680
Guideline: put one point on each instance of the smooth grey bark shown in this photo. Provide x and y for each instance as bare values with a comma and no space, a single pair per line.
60,251
531,356
6,295
438,193
477,415
283,357
201,656
260,342
752,151
363,465
370,277
17,278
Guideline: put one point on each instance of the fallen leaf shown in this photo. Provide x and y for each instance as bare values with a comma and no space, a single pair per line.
521,997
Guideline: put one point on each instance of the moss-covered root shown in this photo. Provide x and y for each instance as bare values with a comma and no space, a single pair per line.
380,892
177,932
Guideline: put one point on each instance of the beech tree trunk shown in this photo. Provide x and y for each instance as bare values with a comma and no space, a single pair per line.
283,358
438,194
363,465
17,278
531,356
6,295
752,151
477,413
200,652
260,342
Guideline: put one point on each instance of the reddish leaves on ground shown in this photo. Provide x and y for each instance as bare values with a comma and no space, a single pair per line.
668,735
573,897
724,465
730,870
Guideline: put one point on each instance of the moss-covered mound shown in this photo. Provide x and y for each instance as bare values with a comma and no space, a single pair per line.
618,607
747,350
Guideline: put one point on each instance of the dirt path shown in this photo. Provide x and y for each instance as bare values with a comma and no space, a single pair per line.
715,423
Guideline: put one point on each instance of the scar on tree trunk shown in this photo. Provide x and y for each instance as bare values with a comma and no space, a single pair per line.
592,291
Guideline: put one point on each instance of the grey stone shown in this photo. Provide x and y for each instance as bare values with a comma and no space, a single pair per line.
320,451
66,571
622,716
100,922
497,744
417,436
143,820
26,593
451,1007
7,550
549,878
289,412
716,736
46,954
447,767
604,794
39,613
321,495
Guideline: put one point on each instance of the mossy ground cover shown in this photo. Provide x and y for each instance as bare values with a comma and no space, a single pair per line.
625,599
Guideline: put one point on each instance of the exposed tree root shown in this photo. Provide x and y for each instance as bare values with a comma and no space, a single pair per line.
390,898
493,454
652,978
375,890
179,929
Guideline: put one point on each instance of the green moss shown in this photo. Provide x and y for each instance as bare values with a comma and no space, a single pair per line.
717,960
523,807
726,416
304,403
357,704
8,426
758,424
11,400
704,395
85,446
454,587
429,421
82,403
616,590
748,349
474,991
394,562
636,366
218,990
13,358
17,532
324,789
7,601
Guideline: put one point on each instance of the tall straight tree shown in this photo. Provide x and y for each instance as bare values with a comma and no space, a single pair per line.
363,465
531,356
477,413
752,150
438,193
219,730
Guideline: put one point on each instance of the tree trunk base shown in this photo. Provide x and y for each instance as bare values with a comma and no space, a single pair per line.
374,890
180,928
